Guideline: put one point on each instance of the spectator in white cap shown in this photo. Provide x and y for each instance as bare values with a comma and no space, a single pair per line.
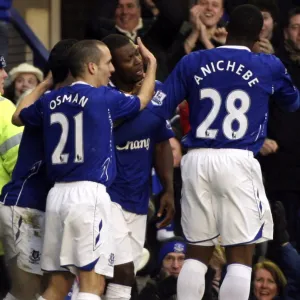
24,77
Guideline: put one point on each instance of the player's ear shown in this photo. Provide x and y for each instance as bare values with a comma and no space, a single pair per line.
91,68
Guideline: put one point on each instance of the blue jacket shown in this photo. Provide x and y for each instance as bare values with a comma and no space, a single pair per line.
289,262
5,5
288,259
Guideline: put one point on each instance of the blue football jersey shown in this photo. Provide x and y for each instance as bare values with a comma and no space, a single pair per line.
77,127
29,185
228,90
134,156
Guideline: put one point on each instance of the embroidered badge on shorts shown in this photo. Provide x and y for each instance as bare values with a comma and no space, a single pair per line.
35,257
111,260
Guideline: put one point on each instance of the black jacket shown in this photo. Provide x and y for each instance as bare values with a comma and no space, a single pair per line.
165,289
282,169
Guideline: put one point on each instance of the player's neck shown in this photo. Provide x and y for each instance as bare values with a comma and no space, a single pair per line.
124,87
68,81
87,79
238,42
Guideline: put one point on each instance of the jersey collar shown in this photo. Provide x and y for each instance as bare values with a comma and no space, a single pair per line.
236,47
80,82
111,84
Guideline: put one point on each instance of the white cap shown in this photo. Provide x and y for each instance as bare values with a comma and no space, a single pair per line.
25,68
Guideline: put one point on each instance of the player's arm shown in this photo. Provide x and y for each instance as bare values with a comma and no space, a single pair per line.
163,164
175,88
31,98
285,93
147,89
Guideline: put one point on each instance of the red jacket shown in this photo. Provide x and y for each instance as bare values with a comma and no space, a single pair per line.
184,113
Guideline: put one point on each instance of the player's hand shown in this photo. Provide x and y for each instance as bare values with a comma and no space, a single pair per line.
167,207
48,81
269,146
220,35
147,56
137,87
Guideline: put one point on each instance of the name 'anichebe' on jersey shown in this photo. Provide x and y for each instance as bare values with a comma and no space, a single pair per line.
77,127
134,155
228,90
29,185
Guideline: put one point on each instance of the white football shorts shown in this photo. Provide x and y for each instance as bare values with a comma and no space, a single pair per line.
23,233
129,231
77,229
223,195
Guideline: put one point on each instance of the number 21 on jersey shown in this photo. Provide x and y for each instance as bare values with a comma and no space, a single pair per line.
58,157
233,114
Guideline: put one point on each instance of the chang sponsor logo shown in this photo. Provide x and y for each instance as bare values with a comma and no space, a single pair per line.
135,145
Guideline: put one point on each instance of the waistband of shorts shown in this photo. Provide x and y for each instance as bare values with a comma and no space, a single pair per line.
222,151
85,184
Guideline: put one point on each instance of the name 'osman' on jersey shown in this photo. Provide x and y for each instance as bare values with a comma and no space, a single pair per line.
77,128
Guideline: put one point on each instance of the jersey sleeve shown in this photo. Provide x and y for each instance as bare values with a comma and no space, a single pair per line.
164,133
173,91
32,116
122,105
285,93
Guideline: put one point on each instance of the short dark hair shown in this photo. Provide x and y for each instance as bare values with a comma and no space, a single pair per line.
57,62
82,53
293,12
246,22
116,41
267,5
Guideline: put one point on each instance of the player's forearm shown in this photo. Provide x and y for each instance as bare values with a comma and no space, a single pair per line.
163,163
147,89
28,100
